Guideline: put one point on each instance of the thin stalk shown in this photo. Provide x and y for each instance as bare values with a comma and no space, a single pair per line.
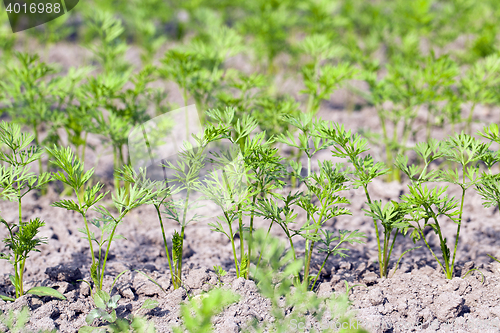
441,241
428,123
21,277
311,248
388,151
395,171
183,226
469,119
106,255
377,234
365,187
310,102
458,229
445,256
429,247
19,209
167,252
322,266
232,244
16,271
179,262
307,255
99,257
267,235
390,251
383,268
242,243
86,228
291,244
19,274
250,240
115,164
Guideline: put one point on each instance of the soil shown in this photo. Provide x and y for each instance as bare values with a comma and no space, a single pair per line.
416,298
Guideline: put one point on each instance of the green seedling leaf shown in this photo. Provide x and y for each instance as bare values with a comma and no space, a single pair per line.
89,329
149,304
88,283
94,314
13,280
475,269
349,288
7,298
111,317
151,279
101,299
113,302
117,277
244,266
401,257
493,258
45,291
94,274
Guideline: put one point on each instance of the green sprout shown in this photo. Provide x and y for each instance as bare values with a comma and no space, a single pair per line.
16,181
106,311
427,206
220,272
198,312
365,170
488,186
133,195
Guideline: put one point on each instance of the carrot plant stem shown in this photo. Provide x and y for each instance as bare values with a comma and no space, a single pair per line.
87,230
388,151
21,277
232,244
242,244
429,247
250,239
311,248
322,266
377,235
307,255
106,255
458,229
262,250
469,119
390,251
167,252
179,262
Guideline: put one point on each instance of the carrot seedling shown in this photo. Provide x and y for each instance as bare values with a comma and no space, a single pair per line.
16,181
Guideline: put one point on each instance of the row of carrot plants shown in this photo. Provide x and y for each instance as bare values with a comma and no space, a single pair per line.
267,193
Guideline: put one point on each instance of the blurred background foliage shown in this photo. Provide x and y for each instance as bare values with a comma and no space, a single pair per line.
439,56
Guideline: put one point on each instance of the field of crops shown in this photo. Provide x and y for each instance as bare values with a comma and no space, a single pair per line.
252,166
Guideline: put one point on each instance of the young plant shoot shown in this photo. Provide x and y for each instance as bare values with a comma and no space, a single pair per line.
177,194
427,206
352,147
124,200
489,185
321,201
16,181
87,196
